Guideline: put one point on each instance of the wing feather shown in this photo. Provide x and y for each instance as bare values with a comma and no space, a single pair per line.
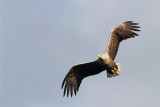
120,33
77,73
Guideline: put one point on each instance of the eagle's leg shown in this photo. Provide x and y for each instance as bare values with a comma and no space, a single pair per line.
116,70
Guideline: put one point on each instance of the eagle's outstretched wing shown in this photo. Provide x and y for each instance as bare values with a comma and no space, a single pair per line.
119,33
78,72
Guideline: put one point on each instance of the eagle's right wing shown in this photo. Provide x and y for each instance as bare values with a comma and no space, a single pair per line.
78,72
119,33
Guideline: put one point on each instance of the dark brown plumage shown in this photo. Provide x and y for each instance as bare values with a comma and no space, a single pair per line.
105,61
74,77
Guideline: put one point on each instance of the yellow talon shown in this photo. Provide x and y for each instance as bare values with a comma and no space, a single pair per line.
112,71
115,71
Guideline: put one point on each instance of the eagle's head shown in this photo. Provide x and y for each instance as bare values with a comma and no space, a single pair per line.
104,59
101,59
100,56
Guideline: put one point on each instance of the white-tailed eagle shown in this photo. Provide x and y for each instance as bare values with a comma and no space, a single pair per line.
105,61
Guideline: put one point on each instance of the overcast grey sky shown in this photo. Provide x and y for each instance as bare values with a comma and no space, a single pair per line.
40,40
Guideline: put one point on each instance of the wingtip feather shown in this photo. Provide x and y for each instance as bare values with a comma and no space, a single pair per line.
63,83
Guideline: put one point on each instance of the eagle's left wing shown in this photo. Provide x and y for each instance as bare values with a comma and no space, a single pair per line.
77,73
119,33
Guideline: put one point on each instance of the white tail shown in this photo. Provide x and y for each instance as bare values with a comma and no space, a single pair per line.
119,68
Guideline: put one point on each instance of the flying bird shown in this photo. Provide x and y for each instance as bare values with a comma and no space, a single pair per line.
105,61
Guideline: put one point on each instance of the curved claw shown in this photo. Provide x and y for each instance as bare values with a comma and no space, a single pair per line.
115,71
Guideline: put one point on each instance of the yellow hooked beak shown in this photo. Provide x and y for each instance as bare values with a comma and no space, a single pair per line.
99,56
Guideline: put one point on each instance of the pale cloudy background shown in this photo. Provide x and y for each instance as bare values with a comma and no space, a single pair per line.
41,39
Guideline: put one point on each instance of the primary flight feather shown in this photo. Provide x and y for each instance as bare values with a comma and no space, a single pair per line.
105,61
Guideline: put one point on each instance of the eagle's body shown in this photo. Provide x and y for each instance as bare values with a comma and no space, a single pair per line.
105,61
